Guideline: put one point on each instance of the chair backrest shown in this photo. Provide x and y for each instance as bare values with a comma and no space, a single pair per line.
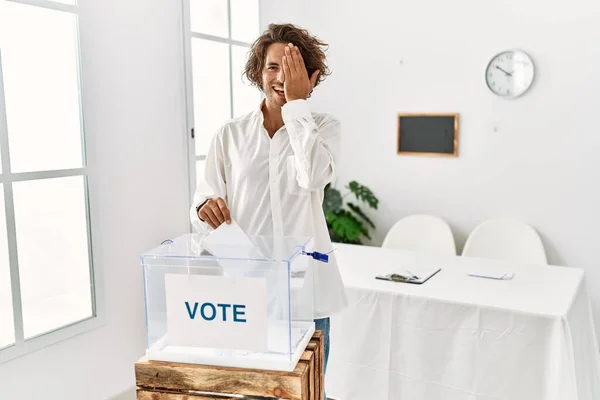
421,233
506,239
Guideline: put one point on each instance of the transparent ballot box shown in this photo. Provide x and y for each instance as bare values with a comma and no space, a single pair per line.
247,305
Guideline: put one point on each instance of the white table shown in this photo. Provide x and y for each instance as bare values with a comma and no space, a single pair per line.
457,337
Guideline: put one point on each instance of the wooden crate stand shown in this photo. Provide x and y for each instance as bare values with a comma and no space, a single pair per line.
160,380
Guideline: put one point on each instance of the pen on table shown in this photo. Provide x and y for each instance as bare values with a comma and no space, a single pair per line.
413,276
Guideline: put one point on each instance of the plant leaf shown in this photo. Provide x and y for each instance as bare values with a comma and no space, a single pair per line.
330,216
332,200
363,193
346,225
360,213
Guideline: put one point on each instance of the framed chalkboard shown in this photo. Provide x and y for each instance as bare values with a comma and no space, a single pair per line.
428,134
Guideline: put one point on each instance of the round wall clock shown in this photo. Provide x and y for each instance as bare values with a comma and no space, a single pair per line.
510,74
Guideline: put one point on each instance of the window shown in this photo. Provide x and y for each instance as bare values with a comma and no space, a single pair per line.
218,34
46,278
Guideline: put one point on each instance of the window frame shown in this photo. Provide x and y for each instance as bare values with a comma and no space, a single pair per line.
22,346
188,35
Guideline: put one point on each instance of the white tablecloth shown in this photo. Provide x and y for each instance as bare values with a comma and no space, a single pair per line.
458,337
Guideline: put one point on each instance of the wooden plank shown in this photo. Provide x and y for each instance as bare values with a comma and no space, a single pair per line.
305,387
313,378
160,375
308,356
318,342
312,347
143,394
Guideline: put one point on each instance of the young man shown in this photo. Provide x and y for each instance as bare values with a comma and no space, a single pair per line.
268,169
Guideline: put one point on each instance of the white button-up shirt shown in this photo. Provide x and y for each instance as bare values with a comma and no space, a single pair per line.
275,186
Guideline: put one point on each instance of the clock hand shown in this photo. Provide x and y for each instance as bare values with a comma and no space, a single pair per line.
507,73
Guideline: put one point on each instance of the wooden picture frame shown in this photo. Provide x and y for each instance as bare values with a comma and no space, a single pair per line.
428,134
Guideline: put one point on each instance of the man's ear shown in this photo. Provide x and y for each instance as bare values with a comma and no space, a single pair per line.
314,78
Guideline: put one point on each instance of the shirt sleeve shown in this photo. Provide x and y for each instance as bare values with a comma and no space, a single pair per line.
316,147
213,184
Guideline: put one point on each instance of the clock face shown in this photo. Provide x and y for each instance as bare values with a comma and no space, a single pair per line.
510,73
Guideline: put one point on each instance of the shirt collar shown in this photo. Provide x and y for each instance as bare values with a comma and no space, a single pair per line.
258,112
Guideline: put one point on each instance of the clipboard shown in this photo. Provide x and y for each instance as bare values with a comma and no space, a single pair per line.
407,278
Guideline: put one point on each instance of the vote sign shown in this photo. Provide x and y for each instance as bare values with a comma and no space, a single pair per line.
216,311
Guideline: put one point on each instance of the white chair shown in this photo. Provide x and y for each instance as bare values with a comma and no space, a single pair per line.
421,233
506,239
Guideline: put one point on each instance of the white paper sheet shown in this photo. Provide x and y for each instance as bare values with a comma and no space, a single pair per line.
228,235
492,273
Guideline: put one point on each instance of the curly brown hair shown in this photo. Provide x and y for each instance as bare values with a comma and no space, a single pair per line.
310,47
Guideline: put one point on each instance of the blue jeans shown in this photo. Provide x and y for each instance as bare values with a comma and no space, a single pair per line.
323,324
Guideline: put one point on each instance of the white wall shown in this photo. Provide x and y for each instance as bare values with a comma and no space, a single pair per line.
534,158
135,114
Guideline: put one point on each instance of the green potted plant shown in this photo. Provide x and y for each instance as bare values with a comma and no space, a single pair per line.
347,222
